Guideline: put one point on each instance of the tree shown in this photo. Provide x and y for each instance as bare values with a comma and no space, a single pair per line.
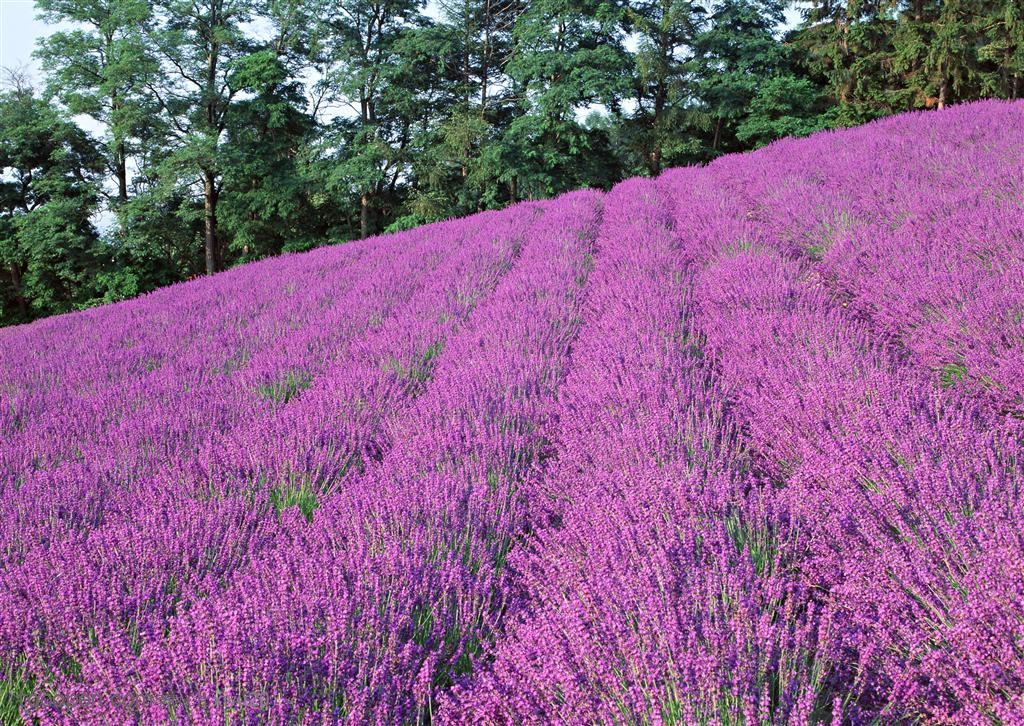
999,28
568,57
737,53
663,75
784,105
268,208
50,254
935,51
357,43
270,204
849,44
464,102
199,44
101,69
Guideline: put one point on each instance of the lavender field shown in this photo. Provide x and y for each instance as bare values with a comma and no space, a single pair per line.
741,444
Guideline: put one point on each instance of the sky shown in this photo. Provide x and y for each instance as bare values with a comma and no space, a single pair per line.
18,33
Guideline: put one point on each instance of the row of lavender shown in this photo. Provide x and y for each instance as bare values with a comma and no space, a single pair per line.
383,602
879,375
658,585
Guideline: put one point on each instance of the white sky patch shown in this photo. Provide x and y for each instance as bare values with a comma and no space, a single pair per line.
19,31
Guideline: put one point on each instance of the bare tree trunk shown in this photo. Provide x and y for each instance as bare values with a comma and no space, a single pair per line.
513,189
485,58
654,161
943,91
210,221
212,121
120,153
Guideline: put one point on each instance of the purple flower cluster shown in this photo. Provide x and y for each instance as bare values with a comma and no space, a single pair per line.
740,444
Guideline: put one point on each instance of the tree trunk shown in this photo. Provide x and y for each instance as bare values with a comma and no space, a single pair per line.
364,215
943,91
485,59
654,158
19,296
210,221
120,153
513,189
654,161
122,174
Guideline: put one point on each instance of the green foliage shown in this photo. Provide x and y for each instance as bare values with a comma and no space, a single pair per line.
50,253
16,686
268,207
101,69
294,493
230,130
569,55
952,374
738,56
783,105
896,55
282,391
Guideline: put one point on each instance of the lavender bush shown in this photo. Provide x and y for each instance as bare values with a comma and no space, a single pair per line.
740,444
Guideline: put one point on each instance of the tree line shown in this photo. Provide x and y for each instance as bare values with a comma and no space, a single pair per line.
229,130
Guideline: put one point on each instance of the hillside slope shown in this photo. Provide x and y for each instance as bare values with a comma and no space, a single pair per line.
739,444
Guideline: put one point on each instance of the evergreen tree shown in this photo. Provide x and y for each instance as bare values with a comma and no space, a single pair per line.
849,44
935,52
270,204
1000,29
736,53
460,62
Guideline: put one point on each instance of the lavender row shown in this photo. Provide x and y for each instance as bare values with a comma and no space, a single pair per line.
175,431
919,227
116,430
656,586
905,495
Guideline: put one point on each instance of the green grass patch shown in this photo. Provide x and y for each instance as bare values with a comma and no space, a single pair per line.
16,686
301,495
304,490
759,541
421,369
951,374
282,391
